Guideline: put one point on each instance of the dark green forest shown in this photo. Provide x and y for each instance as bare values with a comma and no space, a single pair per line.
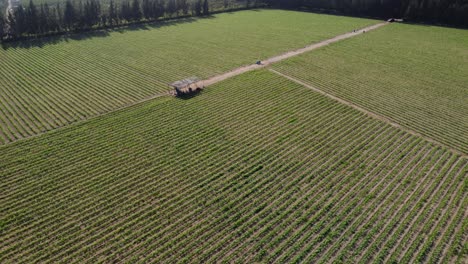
33,20
450,12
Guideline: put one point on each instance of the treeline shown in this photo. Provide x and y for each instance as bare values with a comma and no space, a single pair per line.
33,21
453,12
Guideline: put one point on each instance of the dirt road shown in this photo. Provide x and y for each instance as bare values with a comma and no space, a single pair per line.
265,63
369,113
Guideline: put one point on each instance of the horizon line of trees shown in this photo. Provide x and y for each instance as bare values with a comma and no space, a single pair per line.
33,21
449,12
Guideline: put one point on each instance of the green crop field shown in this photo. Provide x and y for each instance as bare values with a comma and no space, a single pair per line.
45,85
415,75
256,168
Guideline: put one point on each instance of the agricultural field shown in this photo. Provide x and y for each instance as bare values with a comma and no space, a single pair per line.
50,83
414,75
255,169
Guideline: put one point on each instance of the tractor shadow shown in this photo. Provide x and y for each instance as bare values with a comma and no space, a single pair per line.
190,95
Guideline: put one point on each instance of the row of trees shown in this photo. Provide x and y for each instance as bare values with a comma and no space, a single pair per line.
87,14
45,19
453,12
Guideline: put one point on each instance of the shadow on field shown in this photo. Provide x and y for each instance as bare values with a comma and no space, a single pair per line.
28,43
190,95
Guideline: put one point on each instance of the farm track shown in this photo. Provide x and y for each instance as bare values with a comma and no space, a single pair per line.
99,110
410,84
287,55
288,177
45,85
370,113
221,77
129,191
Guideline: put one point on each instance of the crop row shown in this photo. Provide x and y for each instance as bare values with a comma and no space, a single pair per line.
231,175
417,87
53,82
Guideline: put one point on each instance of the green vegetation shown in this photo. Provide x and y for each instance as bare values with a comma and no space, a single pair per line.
48,85
215,5
415,75
257,168
253,169
33,20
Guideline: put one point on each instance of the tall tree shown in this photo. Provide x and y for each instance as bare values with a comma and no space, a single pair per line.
113,19
44,15
206,8
81,20
158,9
32,19
11,24
57,18
171,7
125,11
87,15
183,6
69,15
197,6
2,27
92,13
136,11
97,11
147,9
20,21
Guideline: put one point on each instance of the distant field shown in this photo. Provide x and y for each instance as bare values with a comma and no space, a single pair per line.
415,75
56,83
255,169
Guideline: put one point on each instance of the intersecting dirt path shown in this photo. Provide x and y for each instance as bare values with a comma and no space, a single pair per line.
289,54
369,113
267,62
223,76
